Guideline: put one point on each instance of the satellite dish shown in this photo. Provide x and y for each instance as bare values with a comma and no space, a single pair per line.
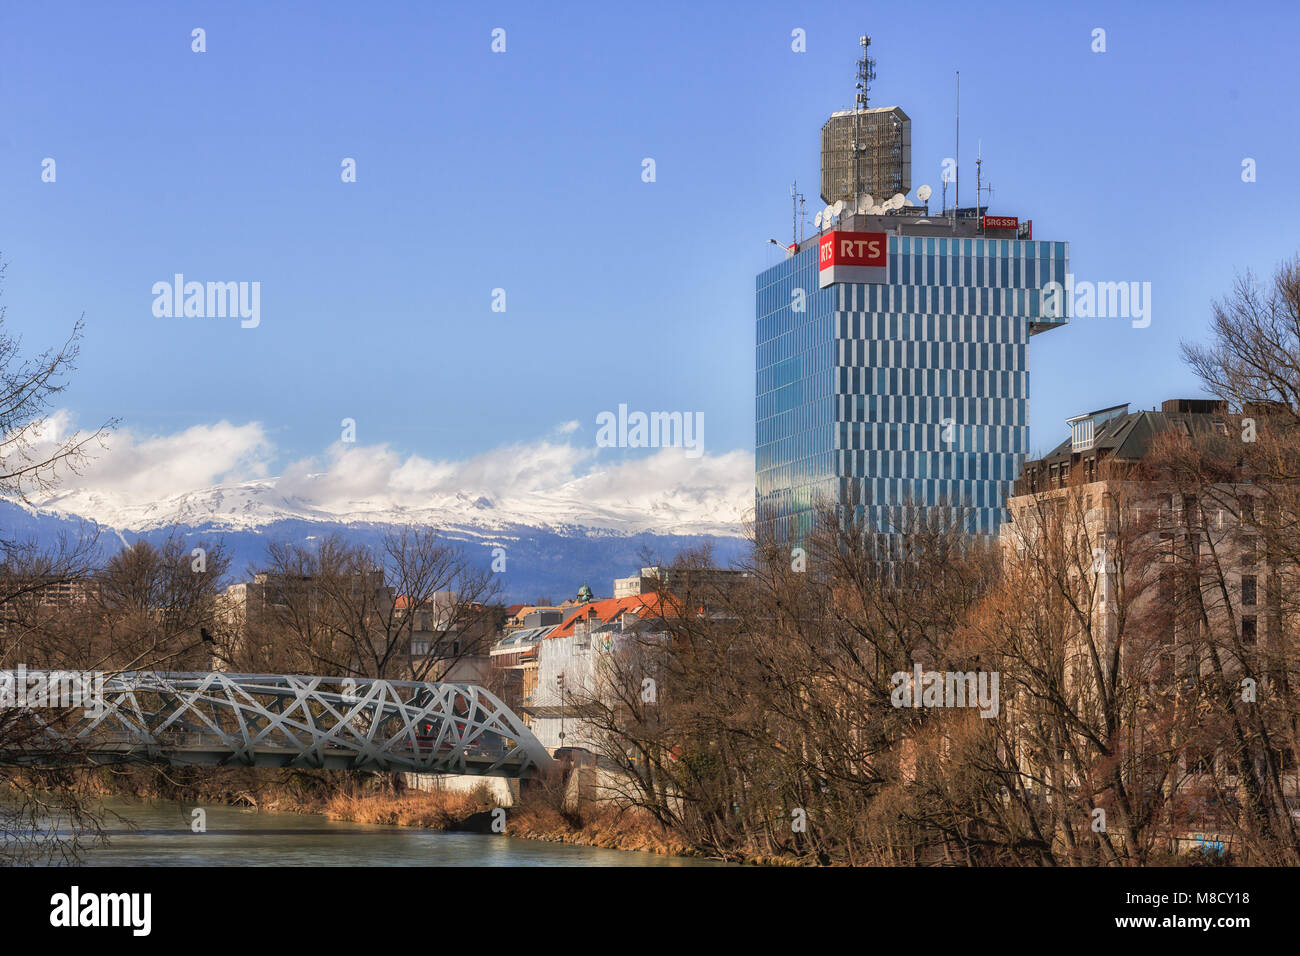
817,220
838,208
865,202
895,201
827,215
923,193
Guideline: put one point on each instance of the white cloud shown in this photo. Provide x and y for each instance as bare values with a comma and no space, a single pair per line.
221,472
159,466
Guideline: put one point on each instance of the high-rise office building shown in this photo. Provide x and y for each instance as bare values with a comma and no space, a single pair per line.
893,363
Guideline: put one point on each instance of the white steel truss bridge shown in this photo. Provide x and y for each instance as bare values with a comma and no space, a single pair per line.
278,720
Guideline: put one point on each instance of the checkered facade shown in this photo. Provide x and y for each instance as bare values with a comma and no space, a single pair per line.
917,389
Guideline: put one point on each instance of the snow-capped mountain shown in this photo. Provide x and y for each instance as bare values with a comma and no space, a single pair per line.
248,505
555,539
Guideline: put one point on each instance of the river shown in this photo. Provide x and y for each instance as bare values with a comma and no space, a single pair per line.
159,834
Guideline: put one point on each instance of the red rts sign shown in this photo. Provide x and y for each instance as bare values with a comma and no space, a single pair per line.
1001,222
853,249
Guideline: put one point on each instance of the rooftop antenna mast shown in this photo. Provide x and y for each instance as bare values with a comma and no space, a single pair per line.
957,149
980,188
866,73
794,211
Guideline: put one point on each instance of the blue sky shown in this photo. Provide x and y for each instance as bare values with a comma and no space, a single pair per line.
522,171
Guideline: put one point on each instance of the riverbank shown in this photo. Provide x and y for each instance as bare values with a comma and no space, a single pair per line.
540,816
166,833
604,828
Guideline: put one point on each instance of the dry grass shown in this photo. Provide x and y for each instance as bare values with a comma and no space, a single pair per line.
542,816
607,827
429,810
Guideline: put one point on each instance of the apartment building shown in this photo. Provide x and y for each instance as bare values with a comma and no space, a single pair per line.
1162,558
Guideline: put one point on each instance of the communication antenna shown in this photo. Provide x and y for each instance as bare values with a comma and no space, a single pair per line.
957,152
794,211
866,73
979,187
802,217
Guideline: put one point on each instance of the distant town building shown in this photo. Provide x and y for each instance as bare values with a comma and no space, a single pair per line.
443,638
518,615
568,659
32,597
514,665
702,584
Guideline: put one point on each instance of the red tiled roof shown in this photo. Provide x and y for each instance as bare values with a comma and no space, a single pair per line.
514,609
612,608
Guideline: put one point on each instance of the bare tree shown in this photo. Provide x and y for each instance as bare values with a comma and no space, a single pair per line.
34,459
413,609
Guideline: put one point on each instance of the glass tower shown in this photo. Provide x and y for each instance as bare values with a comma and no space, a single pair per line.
911,389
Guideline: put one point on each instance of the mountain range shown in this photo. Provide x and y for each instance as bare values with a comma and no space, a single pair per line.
555,540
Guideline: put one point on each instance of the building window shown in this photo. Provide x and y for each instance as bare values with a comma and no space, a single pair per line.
1248,631
1081,434
1248,590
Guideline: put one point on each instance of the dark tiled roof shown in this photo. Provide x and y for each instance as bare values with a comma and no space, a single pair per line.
1128,437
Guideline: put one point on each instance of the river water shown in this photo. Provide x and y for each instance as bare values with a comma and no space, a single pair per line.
159,833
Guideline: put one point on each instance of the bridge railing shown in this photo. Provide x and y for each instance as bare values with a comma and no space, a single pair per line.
290,720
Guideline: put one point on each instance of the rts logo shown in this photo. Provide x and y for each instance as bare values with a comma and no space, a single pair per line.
852,257
854,248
